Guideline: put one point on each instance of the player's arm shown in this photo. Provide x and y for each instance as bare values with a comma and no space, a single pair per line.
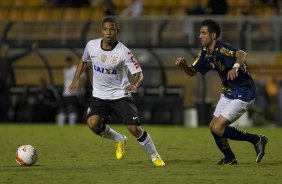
240,59
137,78
189,70
79,70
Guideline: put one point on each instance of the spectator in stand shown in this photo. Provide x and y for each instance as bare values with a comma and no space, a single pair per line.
134,10
109,7
45,104
261,96
6,77
217,7
69,108
196,9
188,26
70,3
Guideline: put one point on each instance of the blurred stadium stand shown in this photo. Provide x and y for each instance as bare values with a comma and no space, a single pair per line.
156,38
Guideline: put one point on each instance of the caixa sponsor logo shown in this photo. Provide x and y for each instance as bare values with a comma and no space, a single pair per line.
104,70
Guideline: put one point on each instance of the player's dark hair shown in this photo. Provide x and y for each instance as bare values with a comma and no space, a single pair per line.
213,27
110,20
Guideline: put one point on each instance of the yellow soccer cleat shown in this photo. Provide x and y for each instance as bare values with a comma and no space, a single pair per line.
158,162
120,148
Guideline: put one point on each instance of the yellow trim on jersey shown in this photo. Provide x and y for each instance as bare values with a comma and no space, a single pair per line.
197,59
226,52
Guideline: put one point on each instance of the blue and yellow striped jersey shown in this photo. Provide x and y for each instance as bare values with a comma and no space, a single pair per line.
222,60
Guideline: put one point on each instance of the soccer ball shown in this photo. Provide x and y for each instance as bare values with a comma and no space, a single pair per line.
26,155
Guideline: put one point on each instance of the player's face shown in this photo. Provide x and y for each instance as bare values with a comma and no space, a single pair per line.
109,33
205,36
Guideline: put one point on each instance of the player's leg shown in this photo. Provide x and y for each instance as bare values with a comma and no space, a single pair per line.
61,117
222,142
146,141
126,110
72,109
98,119
224,147
97,125
102,128
232,112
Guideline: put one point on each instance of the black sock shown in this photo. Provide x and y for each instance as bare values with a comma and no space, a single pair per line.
101,130
222,144
142,137
240,135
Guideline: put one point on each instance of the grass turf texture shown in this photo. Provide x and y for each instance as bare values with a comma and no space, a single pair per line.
76,155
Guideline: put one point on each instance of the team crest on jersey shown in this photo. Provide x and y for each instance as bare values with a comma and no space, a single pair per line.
114,60
103,58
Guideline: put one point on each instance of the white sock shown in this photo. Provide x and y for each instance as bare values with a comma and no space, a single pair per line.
72,118
146,141
60,119
109,133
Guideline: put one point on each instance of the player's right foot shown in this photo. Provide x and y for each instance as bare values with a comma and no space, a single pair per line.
260,147
158,162
225,161
120,148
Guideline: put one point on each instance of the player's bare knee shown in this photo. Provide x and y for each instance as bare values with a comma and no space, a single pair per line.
134,130
93,124
218,129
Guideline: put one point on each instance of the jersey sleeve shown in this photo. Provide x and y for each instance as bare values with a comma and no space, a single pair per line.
131,62
86,55
228,51
200,65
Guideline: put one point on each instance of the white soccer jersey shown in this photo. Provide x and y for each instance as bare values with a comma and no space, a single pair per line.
110,68
68,76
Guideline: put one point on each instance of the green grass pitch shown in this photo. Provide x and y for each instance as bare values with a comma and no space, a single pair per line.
75,155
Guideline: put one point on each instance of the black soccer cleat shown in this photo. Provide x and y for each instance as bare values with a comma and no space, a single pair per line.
260,147
225,161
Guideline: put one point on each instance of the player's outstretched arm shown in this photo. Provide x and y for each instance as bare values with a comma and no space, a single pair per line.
189,70
79,70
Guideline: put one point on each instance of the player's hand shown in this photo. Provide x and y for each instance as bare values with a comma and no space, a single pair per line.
72,87
232,74
180,61
130,88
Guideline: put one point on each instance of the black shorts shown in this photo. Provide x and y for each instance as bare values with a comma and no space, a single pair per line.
124,109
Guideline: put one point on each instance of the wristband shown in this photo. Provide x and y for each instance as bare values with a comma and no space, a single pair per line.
237,66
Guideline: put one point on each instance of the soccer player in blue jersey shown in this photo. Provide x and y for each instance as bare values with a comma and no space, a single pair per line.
238,90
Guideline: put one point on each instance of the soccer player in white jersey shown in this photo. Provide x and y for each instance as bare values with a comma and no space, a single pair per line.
111,61
69,109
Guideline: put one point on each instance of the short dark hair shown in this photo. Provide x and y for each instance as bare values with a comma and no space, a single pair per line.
110,19
213,27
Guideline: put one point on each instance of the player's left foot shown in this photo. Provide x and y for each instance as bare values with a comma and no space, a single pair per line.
260,147
225,161
158,162
120,148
